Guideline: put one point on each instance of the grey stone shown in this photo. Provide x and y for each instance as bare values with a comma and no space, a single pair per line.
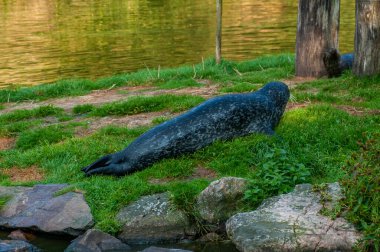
97,241
220,118
37,208
17,246
220,199
152,219
292,222
157,249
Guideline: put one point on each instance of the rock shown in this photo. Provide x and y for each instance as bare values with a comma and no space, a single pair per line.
21,235
96,241
157,249
210,237
152,219
17,246
220,199
37,208
292,222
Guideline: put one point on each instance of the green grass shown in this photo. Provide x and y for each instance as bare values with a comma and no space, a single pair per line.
83,109
173,84
347,89
3,201
319,137
39,112
141,104
312,144
43,136
14,128
239,87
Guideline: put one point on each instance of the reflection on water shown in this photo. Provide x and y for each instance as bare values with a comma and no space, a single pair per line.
45,40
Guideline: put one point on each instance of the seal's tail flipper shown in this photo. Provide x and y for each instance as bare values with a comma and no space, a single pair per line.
104,161
112,169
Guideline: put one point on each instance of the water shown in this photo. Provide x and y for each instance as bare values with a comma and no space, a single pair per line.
48,243
55,243
45,40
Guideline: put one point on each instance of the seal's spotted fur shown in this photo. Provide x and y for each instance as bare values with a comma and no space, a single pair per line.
219,118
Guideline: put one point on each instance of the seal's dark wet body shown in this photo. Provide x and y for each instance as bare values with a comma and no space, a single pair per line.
219,118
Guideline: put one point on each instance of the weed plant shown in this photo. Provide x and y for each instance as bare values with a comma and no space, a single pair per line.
274,175
362,189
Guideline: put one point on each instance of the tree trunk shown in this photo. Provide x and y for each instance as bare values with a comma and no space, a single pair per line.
317,31
218,37
367,38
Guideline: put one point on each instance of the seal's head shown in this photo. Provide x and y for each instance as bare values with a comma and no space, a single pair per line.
331,59
278,92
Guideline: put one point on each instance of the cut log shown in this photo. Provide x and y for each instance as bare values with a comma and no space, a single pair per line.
367,38
218,37
317,31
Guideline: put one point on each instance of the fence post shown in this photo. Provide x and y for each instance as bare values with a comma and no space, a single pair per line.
317,30
218,37
367,38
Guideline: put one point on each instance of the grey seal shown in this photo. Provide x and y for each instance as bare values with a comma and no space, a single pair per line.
219,118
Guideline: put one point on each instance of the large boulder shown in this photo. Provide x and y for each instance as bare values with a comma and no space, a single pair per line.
97,241
17,246
153,219
38,208
220,200
292,222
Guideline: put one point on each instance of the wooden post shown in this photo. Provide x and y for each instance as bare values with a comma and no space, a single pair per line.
218,37
317,31
367,38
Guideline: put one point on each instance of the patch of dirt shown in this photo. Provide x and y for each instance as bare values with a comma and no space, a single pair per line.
297,80
358,111
6,143
100,97
131,121
200,172
204,81
32,173
358,99
295,105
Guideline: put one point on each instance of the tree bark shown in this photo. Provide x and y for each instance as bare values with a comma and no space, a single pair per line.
317,31
367,38
218,37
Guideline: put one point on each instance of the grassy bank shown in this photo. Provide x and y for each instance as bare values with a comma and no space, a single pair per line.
255,71
314,139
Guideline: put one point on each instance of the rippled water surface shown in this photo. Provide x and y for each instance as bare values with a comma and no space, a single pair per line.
45,40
